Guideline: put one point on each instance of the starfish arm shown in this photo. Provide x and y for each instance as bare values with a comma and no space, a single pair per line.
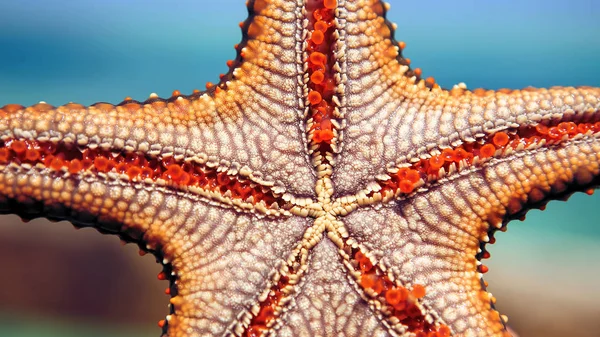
227,269
150,143
376,81
465,120
459,130
437,235
266,86
218,256
393,117
251,119
431,240
327,303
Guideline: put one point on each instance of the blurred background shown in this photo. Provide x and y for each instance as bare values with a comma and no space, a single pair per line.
57,281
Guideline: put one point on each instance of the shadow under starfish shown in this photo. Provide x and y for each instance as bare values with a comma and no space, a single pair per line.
321,176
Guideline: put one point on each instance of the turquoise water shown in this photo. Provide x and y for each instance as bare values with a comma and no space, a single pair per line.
88,51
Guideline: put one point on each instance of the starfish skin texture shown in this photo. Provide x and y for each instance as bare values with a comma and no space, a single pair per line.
313,206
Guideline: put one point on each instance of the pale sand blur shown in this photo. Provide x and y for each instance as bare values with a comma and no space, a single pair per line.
546,290
547,285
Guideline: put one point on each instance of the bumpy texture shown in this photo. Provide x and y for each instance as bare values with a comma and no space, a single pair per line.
321,188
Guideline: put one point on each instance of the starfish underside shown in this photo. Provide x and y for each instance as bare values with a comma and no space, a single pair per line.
322,188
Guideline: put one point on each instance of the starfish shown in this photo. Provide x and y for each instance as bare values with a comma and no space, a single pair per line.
322,187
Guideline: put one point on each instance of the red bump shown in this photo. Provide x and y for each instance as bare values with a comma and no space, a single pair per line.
396,295
174,171
500,139
401,305
75,166
461,154
584,128
162,276
406,186
487,151
553,132
541,129
449,155
162,323
483,269
365,265
318,58
48,160
147,173
184,179
367,281
402,172
102,164
317,37
57,163
314,97
330,4
324,136
317,137
378,287
436,162
326,124
532,140
86,164
18,146
32,155
413,176
121,166
321,25
317,77
418,291
569,128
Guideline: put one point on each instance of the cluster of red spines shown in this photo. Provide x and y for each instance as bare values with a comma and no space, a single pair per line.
320,63
135,166
401,302
407,178
266,313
